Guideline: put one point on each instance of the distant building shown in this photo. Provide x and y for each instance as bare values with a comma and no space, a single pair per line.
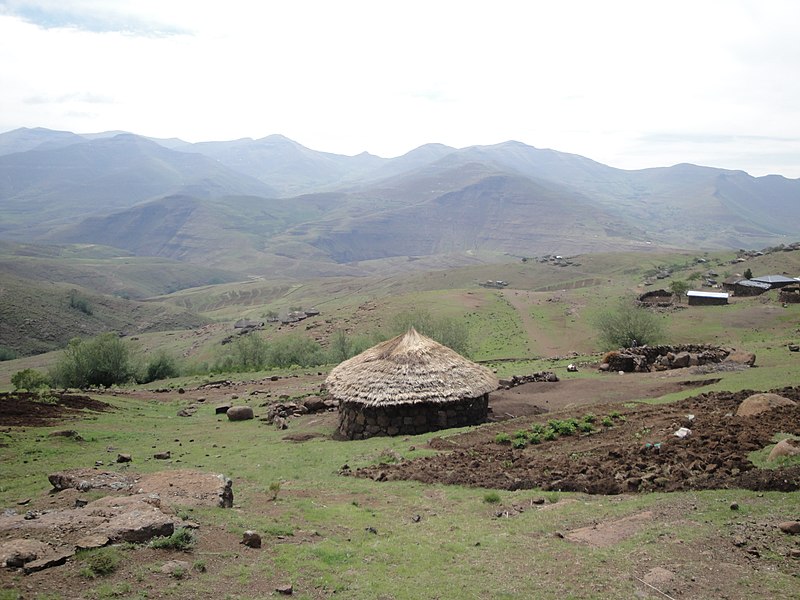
775,281
697,298
745,287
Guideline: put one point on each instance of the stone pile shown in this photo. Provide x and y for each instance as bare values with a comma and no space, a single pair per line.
541,376
279,412
662,358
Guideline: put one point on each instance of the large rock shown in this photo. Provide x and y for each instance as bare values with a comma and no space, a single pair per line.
681,360
742,358
239,413
759,403
783,448
87,479
51,560
131,518
17,552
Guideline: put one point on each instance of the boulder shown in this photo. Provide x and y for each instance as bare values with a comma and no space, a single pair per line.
790,527
90,542
783,448
18,552
681,360
221,409
314,404
162,455
759,403
239,413
52,560
742,358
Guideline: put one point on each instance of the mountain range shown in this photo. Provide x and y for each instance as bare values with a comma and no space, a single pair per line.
274,207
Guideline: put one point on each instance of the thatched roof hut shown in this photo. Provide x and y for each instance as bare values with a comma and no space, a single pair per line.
407,385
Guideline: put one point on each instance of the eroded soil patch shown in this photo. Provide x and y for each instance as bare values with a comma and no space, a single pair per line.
638,453
26,409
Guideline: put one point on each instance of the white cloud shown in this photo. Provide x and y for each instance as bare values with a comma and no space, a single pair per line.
607,80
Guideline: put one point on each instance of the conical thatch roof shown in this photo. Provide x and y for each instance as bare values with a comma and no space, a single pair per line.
409,369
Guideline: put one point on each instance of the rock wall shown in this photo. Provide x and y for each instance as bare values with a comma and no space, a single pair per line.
357,422
662,358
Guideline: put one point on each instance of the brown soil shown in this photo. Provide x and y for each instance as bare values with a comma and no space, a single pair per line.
620,458
28,409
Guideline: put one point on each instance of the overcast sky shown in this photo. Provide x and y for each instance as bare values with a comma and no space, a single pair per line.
630,84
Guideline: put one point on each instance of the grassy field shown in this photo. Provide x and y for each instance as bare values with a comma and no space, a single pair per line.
335,536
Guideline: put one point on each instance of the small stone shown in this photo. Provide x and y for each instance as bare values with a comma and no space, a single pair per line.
91,541
162,455
416,519
734,506
790,527
558,534
286,590
371,530
539,500
174,567
251,539
124,458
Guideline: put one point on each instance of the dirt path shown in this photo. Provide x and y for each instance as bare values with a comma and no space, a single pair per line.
542,344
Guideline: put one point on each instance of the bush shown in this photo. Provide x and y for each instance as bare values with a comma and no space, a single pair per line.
295,350
491,498
79,303
100,562
502,438
182,539
7,354
450,332
29,379
103,360
162,366
618,328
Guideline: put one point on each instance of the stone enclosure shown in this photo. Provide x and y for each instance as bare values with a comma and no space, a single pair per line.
357,421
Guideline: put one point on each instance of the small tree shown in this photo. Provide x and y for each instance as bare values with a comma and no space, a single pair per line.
627,323
162,366
29,379
104,360
748,274
679,288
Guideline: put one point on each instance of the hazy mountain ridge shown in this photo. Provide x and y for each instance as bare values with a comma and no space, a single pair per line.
217,203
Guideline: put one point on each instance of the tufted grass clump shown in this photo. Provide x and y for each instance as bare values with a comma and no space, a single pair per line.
182,539
99,562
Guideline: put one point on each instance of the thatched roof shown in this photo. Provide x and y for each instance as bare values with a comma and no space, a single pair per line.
409,369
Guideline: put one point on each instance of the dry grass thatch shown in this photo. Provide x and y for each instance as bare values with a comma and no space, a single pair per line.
409,369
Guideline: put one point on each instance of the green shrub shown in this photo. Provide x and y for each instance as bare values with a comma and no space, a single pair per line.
607,422
7,353
537,428
502,438
295,350
549,435
448,331
519,443
619,327
162,366
521,434
100,562
585,427
535,438
491,497
29,379
103,360
79,303
181,539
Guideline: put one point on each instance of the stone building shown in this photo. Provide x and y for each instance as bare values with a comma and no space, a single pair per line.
409,385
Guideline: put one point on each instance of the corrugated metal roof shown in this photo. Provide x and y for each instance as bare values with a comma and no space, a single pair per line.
774,279
754,284
699,294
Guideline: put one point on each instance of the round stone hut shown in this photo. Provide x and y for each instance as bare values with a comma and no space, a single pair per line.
408,385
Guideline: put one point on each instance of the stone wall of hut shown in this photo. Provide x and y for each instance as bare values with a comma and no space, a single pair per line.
357,422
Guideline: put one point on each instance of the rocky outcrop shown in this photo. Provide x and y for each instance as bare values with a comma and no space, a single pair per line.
661,358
